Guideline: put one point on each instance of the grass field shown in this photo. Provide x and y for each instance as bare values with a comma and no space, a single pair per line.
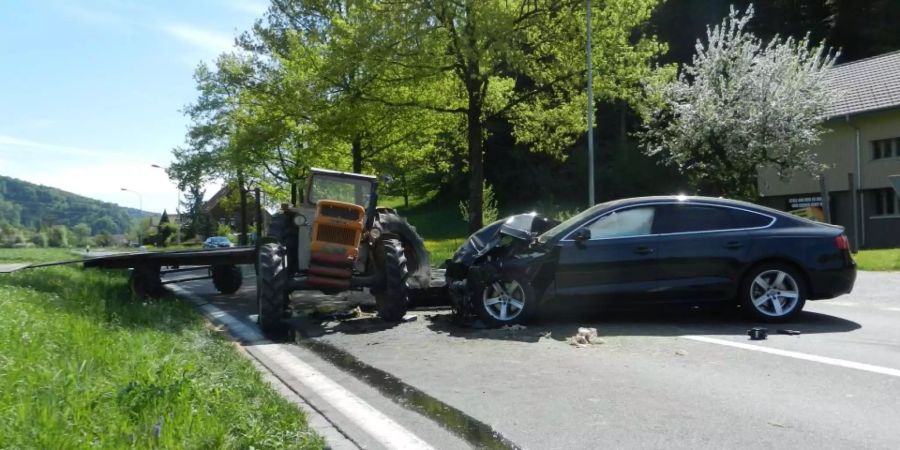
887,259
83,365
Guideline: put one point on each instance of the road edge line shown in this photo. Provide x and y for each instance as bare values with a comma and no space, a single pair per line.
798,355
373,422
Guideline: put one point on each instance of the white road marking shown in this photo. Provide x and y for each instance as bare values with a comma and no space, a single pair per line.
804,356
382,428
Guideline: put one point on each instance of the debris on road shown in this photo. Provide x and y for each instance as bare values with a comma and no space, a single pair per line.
680,352
584,338
410,318
758,333
515,327
788,332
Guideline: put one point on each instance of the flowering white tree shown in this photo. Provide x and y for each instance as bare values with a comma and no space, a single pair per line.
742,104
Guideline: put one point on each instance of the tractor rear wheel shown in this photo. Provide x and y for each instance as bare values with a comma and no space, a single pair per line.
417,258
393,301
227,278
271,293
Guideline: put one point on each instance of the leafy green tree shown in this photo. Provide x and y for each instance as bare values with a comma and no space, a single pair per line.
743,104
522,61
39,239
58,236
82,232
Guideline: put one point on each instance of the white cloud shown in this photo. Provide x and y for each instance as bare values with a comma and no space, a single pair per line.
256,8
207,40
97,14
10,144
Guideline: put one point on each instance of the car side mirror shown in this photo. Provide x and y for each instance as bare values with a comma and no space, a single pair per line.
582,235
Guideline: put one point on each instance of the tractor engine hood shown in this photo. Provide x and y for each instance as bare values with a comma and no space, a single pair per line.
522,227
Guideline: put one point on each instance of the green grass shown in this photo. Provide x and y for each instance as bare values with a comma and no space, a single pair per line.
887,259
83,365
440,225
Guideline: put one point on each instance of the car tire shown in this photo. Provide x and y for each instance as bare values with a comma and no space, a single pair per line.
227,278
392,302
507,301
271,292
773,292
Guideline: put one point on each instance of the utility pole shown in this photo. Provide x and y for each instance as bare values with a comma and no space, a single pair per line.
590,108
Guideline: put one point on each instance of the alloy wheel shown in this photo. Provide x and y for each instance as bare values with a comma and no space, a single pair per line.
504,300
774,293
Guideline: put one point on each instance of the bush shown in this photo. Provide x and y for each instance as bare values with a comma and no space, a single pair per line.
58,236
39,239
489,211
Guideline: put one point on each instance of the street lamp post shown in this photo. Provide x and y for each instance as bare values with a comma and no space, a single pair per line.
590,107
141,210
177,202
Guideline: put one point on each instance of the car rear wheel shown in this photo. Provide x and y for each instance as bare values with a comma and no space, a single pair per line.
773,292
506,302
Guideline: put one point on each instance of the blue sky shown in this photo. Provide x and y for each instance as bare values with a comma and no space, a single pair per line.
91,90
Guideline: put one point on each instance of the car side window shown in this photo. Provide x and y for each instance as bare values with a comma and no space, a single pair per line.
747,219
692,218
622,223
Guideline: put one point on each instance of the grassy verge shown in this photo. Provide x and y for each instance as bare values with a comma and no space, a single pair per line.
887,259
440,225
83,365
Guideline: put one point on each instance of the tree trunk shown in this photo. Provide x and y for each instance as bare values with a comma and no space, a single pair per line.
242,239
476,162
356,152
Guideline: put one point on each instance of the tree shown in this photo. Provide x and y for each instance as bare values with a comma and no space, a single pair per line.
742,104
58,236
520,61
82,232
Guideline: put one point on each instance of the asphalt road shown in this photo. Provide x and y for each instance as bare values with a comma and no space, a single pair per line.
661,378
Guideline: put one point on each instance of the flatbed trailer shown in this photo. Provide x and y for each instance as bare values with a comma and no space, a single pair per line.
147,268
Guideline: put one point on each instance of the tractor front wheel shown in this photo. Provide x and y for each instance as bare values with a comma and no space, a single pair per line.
393,301
271,292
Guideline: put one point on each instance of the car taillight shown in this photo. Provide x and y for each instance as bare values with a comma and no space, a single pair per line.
842,242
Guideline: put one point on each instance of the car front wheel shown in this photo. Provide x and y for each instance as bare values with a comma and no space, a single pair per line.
773,292
506,302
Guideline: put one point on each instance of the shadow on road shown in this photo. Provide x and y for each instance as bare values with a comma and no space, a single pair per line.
662,321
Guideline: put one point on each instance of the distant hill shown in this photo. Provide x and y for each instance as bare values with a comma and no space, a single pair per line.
28,205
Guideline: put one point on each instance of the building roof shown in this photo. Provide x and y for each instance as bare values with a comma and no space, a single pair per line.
870,84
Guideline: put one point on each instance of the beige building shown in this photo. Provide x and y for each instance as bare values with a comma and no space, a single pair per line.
862,149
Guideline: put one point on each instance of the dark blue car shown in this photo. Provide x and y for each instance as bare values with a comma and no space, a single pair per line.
649,250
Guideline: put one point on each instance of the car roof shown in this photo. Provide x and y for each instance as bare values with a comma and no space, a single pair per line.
694,199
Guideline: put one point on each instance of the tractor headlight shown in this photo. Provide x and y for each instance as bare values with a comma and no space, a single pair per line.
300,220
374,233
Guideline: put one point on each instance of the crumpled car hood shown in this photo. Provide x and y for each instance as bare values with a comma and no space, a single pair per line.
520,226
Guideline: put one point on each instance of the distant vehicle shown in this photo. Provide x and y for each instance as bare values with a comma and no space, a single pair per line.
217,242
647,250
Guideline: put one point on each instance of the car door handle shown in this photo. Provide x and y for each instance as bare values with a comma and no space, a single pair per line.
643,250
733,245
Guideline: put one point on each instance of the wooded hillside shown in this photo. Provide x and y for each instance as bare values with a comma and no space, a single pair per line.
36,207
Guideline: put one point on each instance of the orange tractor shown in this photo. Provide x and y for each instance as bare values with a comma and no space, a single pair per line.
336,239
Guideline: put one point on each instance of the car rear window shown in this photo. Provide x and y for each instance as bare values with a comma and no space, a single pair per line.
747,219
692,218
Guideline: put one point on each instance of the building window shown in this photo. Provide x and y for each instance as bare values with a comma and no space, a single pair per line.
887,203
886,148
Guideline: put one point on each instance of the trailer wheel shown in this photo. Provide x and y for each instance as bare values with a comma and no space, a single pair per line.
227,278
393,301
145,282
271,293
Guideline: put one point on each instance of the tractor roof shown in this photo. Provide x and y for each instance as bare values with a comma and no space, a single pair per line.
336,173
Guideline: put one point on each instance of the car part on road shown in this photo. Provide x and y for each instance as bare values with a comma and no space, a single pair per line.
758,333
788,332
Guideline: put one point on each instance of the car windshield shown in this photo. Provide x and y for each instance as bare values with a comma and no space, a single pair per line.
348,190
552,233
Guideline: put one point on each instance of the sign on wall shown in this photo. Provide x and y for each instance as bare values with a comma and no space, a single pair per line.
804,202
